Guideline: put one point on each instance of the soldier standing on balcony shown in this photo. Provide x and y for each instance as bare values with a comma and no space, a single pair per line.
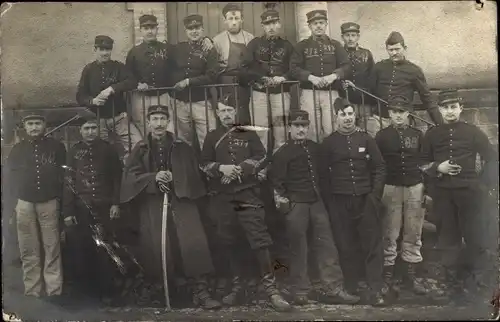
101,88
35,177
450,150
361,68
231,45
400,145
295,178
230,158
151,65
194,66
318,63
397,76
353,182
266,64
95,172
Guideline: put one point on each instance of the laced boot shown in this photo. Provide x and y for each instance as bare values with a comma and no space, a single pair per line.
411,281
388,288
337,295
202,298
269,281
233,297
220,287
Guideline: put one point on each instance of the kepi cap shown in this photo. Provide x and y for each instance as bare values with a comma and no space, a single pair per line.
158,109
349,27
33,116
102,41
315,15
193,21
85,118
299,117
269,16
340,104
148,20
395,38
449,96
399,103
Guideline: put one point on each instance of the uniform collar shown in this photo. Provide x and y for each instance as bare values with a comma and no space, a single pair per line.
195,43
323,38
401,127
400,62
351,49
36,139
273,38
299,142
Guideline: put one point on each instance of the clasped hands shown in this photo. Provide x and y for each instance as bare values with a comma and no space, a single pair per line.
267,81
450,168
230,172
101,98
322,82
162,179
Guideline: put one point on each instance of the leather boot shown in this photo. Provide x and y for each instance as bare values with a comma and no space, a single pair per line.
269,281
411,281
233,297
202,298
378,299
388,275
338,295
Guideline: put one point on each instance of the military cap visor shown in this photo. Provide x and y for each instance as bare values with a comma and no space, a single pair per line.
269,16
148,20
33,116
193,21
349,27
316,15
399,103
105,42
299,118
449,96
158,109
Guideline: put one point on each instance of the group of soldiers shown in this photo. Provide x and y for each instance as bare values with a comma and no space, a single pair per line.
328,183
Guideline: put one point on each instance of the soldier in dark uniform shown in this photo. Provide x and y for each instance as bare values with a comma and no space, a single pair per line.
353,182
95,173
450,150
295,178
397,76
361,68
151,65
231,158
163,165
194,66
266,64
34,176
101,89
319,62
401,145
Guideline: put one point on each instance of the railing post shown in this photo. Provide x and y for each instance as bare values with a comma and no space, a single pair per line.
364,111
206,110
270,133
144,114
283,118
315,113
332,121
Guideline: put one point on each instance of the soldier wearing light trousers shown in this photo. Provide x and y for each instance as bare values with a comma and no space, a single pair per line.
400,145
35,177
295,178
353,174
318,62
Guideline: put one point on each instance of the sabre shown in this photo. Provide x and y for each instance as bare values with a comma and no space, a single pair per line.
385,102
98,232
74,118
164,221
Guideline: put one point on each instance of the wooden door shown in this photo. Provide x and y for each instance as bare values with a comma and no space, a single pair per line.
213,21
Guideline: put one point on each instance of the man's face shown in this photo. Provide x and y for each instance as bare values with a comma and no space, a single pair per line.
299,131
346,118
195,34
272,29
398,117
396,52
351,39
34,127
226,114
233,21
451,112
158,124
88,132
102,54
149,33
318,27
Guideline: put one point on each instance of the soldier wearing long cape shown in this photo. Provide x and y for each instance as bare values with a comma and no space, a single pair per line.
187,246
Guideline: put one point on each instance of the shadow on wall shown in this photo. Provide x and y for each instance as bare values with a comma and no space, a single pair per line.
46,45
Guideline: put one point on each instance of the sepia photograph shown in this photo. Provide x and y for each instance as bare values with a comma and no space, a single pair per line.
221,161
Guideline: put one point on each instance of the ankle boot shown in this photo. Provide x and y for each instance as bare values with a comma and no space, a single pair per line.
411,281
269,281
232,298
388,281
202,298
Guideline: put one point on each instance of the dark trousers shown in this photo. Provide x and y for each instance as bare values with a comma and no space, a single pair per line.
302,218
90,266
460,217
357,225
